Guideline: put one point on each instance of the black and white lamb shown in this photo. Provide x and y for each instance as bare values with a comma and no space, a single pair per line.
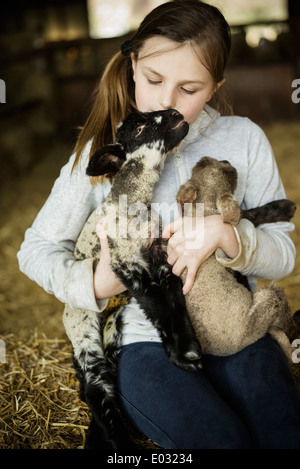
136,159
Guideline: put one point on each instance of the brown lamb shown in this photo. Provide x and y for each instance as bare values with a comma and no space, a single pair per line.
226,316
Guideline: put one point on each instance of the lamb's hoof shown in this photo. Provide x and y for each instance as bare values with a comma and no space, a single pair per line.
189,365
95,438
194,359
193,356
189,361
289,209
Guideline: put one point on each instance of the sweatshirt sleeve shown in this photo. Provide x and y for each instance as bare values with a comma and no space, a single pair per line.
46,254
266,251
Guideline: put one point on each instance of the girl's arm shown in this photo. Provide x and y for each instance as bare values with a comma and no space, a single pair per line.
267,251
46,254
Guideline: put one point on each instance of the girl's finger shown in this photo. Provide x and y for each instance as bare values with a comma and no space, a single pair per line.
172,257
101,231
105,253
178,267
189,282
171,228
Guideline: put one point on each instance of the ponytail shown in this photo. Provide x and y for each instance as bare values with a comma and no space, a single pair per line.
113,101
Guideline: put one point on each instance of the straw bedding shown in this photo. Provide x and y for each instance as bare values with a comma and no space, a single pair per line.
39,403
40,407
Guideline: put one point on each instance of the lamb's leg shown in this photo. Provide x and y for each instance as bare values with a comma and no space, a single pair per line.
182,337
277,210
99,390
167,314
270,313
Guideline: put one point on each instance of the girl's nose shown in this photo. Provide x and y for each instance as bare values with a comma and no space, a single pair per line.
168,99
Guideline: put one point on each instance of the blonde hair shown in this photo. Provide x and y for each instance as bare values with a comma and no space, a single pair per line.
112,102
184,21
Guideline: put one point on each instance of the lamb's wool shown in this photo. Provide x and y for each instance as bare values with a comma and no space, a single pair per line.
224,313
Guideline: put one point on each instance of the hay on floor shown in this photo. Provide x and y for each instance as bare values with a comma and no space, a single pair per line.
40,406
39,397
39,401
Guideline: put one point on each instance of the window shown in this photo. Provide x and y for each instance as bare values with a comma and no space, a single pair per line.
239,12
112,18
267,13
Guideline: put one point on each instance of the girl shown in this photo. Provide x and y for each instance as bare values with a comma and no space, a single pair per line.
249,400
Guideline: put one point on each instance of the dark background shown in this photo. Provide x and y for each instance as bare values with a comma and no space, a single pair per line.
49,82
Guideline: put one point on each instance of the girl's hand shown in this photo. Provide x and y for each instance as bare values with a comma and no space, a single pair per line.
193,239
106,283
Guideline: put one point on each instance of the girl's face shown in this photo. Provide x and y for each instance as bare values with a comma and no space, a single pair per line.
169,75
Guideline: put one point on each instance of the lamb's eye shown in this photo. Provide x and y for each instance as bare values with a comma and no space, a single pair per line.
139,130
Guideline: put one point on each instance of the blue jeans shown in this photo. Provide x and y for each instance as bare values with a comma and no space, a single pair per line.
246,400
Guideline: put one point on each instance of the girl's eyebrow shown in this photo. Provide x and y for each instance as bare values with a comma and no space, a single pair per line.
149,69
184,82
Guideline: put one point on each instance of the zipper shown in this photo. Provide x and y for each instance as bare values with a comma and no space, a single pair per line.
180,166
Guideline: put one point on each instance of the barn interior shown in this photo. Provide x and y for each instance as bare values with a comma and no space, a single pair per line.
52,54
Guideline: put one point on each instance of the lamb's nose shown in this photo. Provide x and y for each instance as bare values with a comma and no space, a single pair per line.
175,113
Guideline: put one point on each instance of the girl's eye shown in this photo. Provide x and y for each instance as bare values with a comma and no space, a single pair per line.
153,82
188,91
139,130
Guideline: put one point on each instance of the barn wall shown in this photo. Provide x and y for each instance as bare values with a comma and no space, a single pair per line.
51,67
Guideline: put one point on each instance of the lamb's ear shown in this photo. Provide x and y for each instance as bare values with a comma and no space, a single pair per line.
107,160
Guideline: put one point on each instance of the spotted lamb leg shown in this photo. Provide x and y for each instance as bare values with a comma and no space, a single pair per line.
98,380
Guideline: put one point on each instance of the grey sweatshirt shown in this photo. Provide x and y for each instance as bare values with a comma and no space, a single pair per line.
46,254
